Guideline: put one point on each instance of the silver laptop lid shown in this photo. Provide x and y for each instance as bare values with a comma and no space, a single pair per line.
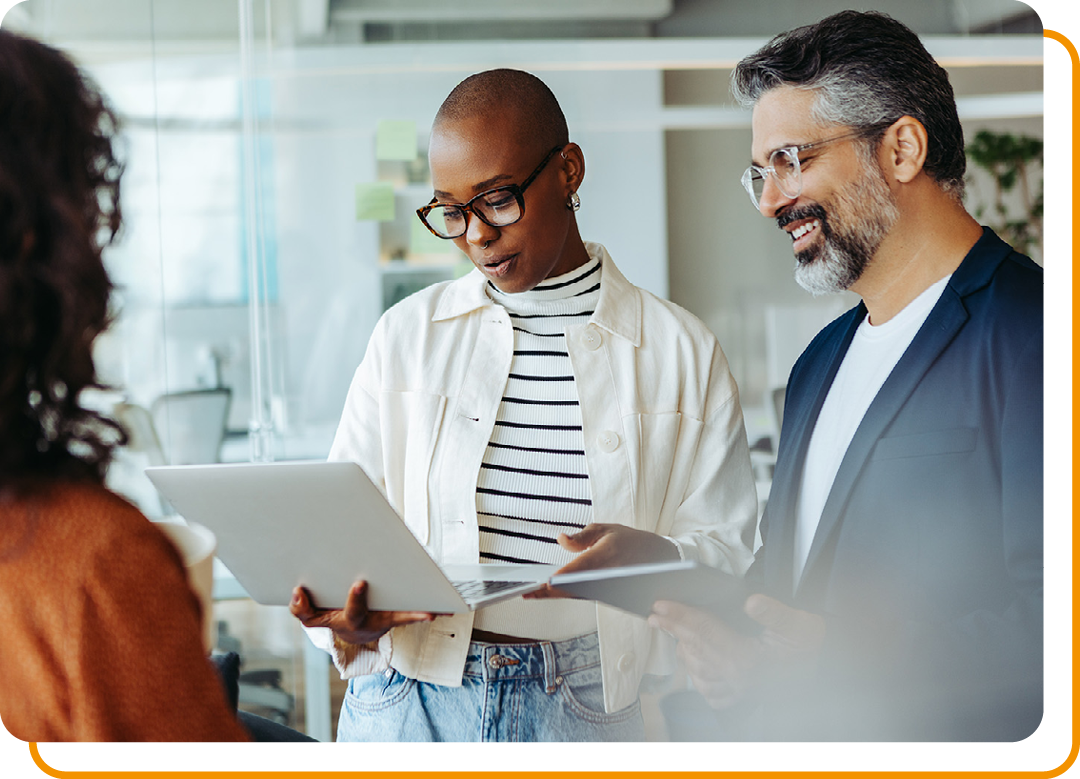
318,524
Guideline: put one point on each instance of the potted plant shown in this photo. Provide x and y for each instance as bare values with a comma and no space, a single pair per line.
1012,161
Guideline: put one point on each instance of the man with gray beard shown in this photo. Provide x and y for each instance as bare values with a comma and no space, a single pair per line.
899,585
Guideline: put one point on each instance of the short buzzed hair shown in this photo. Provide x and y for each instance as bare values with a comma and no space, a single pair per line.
513,92
867,70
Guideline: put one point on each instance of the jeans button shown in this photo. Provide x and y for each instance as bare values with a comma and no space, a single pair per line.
498,661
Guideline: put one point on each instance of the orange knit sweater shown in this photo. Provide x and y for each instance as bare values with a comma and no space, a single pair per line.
99,630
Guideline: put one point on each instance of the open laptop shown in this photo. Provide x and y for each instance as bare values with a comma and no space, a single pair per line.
323,525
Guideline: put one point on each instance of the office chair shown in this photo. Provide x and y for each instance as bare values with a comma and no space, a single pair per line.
259,688
192,424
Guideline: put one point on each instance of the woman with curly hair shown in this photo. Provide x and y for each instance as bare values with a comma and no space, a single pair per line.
101,636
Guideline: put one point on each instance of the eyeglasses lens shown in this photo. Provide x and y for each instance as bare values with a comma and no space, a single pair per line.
498,207
784,168
785,164
446,222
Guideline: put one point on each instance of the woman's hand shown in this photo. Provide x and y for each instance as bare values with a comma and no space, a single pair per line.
608,546
354,624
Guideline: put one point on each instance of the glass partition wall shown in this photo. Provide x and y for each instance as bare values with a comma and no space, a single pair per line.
275,154
269,202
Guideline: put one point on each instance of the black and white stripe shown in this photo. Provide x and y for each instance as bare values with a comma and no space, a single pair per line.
533,483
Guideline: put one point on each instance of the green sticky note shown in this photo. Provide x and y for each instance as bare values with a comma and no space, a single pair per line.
395,140
375,201
421,240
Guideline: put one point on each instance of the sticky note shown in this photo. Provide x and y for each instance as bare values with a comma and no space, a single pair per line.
395,140
421,241
375,201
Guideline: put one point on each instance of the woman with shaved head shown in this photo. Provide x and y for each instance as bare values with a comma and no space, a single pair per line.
541,409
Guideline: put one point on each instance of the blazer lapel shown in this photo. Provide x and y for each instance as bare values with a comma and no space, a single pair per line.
800,416
939,329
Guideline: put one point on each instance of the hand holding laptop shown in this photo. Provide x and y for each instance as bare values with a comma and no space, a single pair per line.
354,624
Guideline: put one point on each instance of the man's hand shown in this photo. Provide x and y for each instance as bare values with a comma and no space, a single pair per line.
608,546
354,624
726,665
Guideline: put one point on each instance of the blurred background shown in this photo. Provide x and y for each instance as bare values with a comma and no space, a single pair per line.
276,151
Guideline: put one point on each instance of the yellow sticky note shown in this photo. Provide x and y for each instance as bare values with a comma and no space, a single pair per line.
375,201
395,140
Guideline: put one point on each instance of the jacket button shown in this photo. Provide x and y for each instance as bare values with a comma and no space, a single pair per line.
626,663
591,339
608,441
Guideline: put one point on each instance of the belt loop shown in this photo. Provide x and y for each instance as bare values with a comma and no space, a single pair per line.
489,671
550,673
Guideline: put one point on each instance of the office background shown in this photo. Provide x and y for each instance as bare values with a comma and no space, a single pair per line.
276,151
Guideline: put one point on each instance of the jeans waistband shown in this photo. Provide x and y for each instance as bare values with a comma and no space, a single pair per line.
534,659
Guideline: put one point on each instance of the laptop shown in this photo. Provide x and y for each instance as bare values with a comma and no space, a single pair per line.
323,525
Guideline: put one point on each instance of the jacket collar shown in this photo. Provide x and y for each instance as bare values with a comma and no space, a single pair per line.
980,263
618,312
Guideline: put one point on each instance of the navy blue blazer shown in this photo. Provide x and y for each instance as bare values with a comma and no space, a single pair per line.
927,562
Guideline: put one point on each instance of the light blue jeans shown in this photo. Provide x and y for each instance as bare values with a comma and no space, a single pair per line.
543,691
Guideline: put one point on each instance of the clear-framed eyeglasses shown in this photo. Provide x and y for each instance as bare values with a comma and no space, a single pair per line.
497,207
785,168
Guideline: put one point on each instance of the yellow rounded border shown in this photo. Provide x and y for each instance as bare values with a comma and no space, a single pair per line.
1070,41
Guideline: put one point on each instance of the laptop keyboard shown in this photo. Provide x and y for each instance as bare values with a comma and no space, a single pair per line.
476,588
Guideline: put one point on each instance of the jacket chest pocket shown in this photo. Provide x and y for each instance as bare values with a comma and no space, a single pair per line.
412,421
936,442
662,468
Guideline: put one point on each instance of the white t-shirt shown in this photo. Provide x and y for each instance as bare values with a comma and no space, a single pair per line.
873,353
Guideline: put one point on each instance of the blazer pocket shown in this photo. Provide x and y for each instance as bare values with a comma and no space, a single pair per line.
960,439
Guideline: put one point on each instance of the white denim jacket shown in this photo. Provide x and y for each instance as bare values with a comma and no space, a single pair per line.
665,447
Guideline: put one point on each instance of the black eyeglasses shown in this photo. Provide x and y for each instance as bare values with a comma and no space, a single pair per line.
497,207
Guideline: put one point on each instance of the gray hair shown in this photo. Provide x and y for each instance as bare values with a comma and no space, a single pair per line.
865,69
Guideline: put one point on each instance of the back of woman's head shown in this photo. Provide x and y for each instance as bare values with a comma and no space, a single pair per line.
59,207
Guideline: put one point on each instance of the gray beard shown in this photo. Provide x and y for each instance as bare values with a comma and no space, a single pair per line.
831,272
847,249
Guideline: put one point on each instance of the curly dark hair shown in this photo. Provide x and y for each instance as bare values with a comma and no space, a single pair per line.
59,208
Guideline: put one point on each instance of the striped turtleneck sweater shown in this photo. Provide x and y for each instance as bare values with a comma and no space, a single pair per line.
533,482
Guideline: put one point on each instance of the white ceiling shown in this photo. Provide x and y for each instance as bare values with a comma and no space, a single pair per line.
107,30
313,22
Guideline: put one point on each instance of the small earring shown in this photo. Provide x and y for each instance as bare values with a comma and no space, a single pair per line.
573,202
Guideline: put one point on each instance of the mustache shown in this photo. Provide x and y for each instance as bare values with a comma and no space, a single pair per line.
812,211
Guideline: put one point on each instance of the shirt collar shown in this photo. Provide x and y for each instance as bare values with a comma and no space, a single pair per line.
618,312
